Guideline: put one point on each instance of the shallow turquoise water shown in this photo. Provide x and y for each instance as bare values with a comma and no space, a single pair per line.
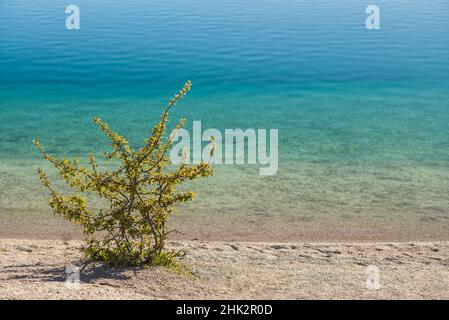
363,115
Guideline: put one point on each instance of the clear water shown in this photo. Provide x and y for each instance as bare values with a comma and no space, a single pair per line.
363,115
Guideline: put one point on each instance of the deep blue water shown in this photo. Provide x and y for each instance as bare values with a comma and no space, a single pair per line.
142,47
363,115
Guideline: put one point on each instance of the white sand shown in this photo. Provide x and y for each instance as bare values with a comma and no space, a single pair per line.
36,269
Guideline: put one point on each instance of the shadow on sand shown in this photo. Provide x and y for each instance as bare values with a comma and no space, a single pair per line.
92,272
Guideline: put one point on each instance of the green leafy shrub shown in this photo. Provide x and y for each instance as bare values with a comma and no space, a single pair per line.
141,194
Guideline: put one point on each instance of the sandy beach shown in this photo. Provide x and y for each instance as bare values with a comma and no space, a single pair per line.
312,137
36,269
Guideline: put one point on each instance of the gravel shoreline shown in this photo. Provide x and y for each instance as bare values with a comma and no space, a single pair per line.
36,269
